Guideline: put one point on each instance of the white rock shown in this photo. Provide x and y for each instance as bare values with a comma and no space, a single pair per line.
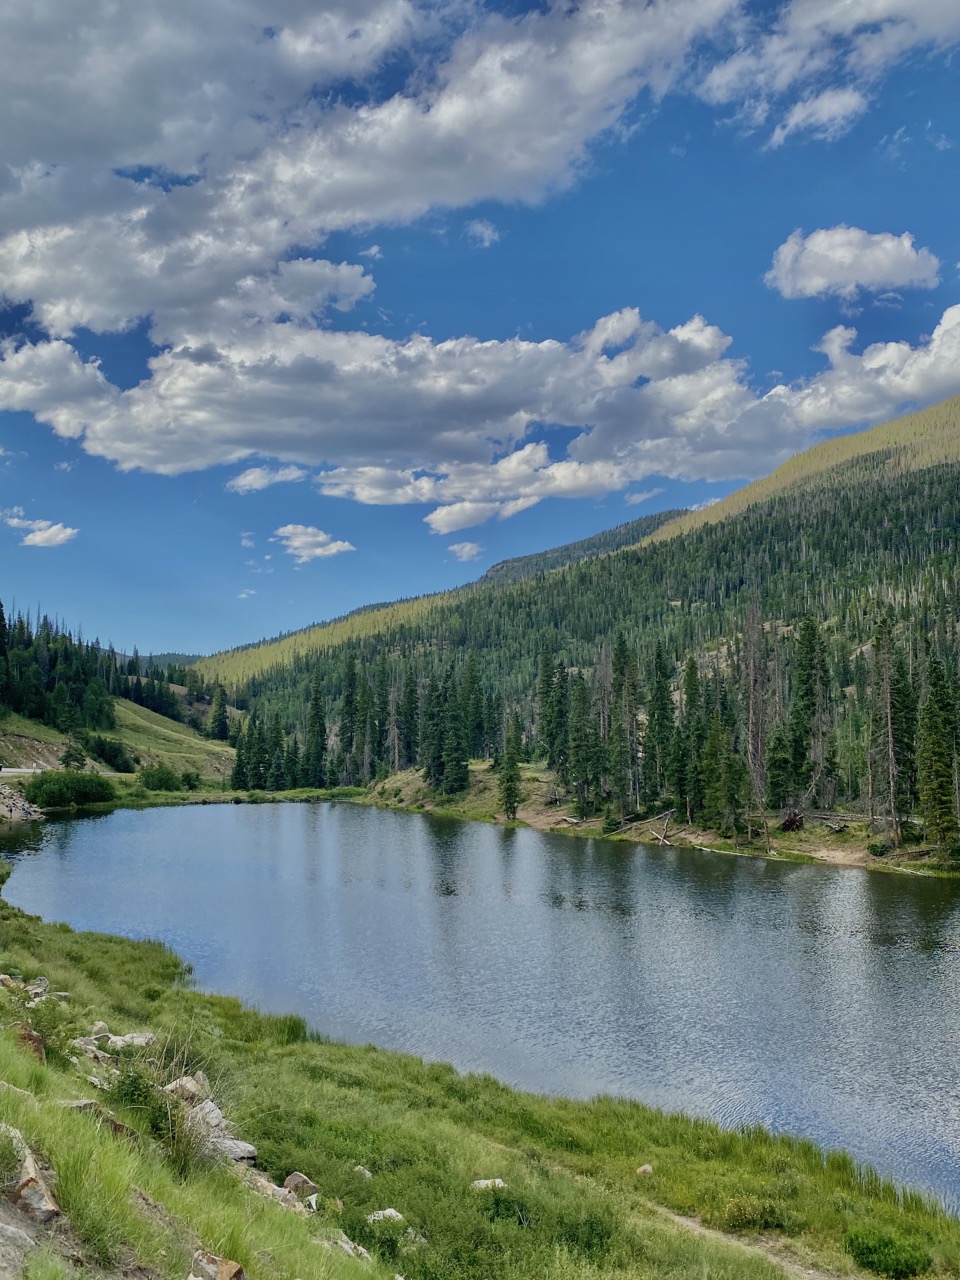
232,1149
342,1241
99,1029
208,1114
385,1215
186,1088
487,1184
364,1173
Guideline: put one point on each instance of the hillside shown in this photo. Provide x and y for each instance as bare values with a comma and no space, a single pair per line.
921,440
624,535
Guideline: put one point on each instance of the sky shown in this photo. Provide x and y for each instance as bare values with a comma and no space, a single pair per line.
309,305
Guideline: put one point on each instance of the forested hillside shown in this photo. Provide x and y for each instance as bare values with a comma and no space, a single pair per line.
801,651
624,535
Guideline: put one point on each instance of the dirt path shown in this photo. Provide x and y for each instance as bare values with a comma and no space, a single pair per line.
772,1251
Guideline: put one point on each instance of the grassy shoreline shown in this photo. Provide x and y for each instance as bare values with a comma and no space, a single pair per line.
575,1206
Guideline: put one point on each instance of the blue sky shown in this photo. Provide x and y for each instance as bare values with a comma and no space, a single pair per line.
313,305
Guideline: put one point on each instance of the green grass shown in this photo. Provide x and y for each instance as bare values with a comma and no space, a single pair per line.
155,739
574,1207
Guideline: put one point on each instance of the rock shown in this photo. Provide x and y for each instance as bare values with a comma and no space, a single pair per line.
364,1173
11,984
14,1244
132,1040
341,1241
30,1040
38,988
232,1149
300,1185
186,1088
20,1093
645,1169
488,1184
203,1084
311,1204
272,1192
414,1239
385,1215
29,1193
337,1204
208,1115
103,1116
207,1266
99,1029
88,1046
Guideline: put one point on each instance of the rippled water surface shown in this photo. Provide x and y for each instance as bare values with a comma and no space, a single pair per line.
809,998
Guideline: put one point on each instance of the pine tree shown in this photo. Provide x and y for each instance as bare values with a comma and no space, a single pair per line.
509,781
217,726
312,765
456,774
408,721
238,775
936,759
581,756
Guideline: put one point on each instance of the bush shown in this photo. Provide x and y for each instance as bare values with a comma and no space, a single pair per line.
190,780
160,777
55,790
111,752
878,848
886,1253
755,1213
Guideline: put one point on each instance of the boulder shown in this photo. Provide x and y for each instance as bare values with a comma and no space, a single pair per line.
341,1241
207,1266
645,1169
208,1115
132,1040
364,1173
300,1185
11,984
38,988
90,1106
186,1088
384,1215
89,1047
488,1184
232,1149
272,1192
29,1193
99,1029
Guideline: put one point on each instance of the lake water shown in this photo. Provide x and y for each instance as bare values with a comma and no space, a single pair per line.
813,999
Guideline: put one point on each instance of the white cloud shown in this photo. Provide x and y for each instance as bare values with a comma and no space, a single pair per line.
635,499
825,116
843,260
465,550
815,62
306,543
38,533
246,593
482,232
256,478
374,253
460,515
246,539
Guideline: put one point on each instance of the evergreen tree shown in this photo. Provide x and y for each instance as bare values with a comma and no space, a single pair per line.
408,721
509,780
217,726
312,766
936,759
238,775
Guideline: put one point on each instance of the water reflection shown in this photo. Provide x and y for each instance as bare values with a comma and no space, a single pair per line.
815,999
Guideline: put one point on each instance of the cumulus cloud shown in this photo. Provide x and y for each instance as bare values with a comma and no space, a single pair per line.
38,533
305,543
465,550
256,478
482,232
844,260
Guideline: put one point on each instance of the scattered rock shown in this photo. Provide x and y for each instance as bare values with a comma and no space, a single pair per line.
645,1169
272,1192
364,1173
233,1149
385,1215
132,1040
11,984
300,1185
203,1084
20,1093
99,1029
14,1245
29,1192
341,1241
208,1114
89,1047
488,1184
38,987
414,1239
311,1203
207,1266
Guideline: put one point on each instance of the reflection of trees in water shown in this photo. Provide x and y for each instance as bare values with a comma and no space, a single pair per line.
445,836
591,875
921,910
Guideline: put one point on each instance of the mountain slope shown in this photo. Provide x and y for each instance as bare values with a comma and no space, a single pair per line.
913,443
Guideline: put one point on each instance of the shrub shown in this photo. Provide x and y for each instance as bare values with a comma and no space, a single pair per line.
754,1213
878,848
111,752
160,777
887,1253
56,790
190,780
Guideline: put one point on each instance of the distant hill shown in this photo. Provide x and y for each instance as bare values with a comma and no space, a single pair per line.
624,535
